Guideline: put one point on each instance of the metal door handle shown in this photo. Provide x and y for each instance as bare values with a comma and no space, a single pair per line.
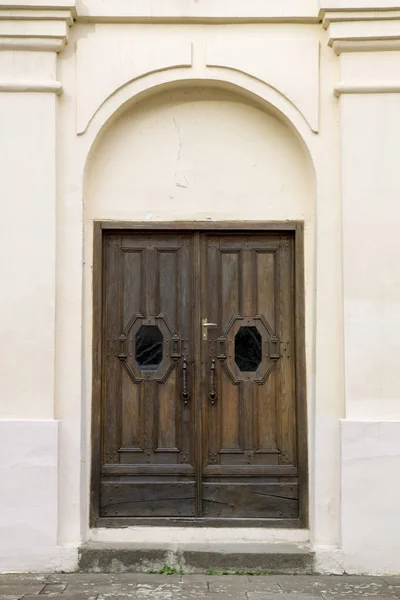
212,395
185,395
205,325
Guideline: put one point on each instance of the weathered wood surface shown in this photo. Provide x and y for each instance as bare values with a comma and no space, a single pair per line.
147,499
236,457
277,500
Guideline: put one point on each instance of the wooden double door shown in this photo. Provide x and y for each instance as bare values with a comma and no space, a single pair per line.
198,415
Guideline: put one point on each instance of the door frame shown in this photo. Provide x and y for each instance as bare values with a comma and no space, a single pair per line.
297,228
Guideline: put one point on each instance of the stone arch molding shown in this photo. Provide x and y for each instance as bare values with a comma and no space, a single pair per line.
287,70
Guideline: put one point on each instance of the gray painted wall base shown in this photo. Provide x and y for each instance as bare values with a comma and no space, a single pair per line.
197,558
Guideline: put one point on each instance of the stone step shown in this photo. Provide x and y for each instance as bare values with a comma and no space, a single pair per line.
212,558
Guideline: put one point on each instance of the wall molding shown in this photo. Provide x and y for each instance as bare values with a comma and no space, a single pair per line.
343,16
300,56
37,44
367,88
44,27
54,87
341,46
123,60
358,30
192,11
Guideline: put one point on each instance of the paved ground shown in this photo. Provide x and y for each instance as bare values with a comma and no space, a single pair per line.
208,587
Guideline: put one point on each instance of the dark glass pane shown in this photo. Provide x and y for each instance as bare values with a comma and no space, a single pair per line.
248,349
149,347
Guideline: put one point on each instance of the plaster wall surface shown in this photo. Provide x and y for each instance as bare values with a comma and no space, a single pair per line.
168,159
28,469
370,526
371,188
27,235
370,136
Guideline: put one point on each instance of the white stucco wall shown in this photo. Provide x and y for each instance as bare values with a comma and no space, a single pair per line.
278,117
28,262
370,492
371,273
166,158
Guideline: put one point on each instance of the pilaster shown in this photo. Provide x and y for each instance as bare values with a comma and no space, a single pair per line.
367,41
366,37
31,34
370,33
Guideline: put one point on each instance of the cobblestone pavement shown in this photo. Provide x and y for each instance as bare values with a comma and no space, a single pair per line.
82,586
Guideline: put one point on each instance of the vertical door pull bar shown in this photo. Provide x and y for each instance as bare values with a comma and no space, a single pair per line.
185,395
212,396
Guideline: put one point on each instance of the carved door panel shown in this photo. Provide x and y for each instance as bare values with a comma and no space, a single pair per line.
249,407
147,421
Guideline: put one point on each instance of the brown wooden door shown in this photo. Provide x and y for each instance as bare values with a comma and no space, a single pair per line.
249,433
198,394
147,428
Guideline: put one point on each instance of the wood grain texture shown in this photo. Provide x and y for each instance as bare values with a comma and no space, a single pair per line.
147,499
223,226
196,364
97,358
112,367
285,367
300,375
277,500
255,435
147,432
122,522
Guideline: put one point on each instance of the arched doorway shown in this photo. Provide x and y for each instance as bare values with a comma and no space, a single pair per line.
201,363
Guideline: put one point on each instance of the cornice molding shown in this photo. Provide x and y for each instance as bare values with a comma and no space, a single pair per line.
30,25
342,16
362,29
195,11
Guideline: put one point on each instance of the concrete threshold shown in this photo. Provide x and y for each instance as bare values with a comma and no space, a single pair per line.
207,557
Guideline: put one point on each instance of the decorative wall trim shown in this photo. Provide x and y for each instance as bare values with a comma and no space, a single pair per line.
301,57
367,88
104,66
38,44
342,16
31,14
54,87
365,46
192,11
39,4
30,26
371,27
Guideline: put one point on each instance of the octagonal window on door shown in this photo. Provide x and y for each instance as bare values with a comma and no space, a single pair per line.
149,348
248,348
